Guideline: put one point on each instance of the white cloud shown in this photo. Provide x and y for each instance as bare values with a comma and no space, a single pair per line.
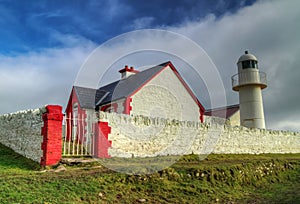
140,23
268,29
37,78
147,48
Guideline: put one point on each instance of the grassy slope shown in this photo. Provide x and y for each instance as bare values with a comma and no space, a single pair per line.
13,163
217,179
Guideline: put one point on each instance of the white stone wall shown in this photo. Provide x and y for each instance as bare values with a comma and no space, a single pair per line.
145,137
241,140
21,131
234,120
120,103
165,97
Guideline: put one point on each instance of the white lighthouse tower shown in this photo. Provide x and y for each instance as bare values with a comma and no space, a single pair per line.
249,82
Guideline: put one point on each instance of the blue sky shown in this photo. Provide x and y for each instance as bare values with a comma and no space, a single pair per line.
34,25
43,45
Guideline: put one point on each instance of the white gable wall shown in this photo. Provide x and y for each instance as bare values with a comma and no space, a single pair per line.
165,97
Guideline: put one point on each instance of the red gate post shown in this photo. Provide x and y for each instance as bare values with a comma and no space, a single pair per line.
52,135
101,142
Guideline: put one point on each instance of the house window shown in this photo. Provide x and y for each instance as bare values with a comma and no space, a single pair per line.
249,64
75,120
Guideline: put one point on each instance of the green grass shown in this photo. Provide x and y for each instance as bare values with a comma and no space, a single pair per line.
13,163
268,178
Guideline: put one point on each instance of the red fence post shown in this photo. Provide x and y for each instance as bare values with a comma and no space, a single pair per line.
52,135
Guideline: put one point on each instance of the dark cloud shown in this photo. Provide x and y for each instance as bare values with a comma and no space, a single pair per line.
27,25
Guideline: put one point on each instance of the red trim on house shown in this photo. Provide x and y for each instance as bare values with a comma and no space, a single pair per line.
68,127
201,116
113,105
127,69
101,143
146,82
69,106
186,86
201,108
69,114
127,105
81,119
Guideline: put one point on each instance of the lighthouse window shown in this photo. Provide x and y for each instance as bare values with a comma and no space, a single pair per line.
255,64
249,64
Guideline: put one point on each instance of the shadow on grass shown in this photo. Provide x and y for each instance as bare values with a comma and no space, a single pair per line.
12,160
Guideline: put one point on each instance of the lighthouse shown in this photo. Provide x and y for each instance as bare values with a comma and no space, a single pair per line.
249,82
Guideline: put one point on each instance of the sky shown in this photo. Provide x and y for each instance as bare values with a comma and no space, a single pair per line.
45,44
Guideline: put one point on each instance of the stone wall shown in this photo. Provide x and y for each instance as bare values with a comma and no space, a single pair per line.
21,131
35,134
141,136
243,140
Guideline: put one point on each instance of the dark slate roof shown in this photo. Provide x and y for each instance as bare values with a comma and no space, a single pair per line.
86,96
90,98
223,112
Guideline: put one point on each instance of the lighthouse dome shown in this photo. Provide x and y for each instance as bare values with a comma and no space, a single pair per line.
247,57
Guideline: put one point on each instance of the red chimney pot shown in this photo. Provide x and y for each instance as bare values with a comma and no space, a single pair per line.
127,69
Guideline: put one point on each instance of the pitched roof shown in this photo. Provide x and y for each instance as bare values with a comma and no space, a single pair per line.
90,98
126,87
86,96
223,112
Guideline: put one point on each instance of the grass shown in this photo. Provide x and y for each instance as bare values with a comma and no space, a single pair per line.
268,178
13,163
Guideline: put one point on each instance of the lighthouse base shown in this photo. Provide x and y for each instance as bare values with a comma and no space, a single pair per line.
251,107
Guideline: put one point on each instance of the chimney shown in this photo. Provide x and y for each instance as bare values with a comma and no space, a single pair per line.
126,72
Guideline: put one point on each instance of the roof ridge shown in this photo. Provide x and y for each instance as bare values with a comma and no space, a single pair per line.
223,107
83,87
137,74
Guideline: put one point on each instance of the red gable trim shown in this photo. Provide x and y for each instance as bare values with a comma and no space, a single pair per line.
186,86
181,80
71,99
139,88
